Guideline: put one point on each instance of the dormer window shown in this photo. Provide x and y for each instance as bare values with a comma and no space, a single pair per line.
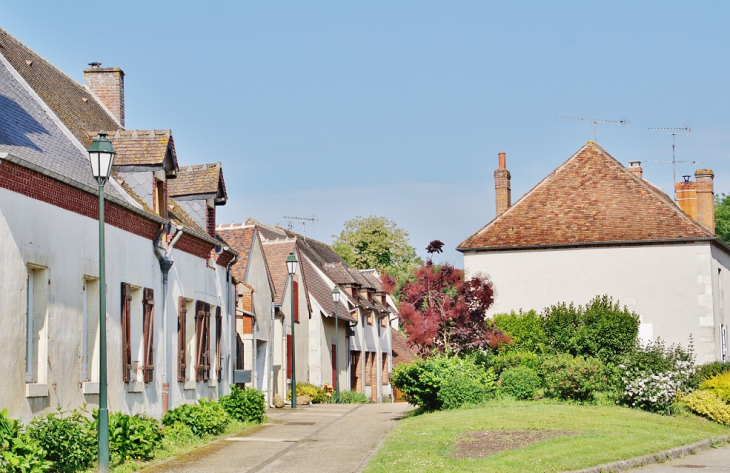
160,198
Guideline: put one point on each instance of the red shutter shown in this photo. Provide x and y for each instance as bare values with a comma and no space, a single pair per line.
206,347
148,323
218,330
199,340
288,356
334,365
295,288
211,222
126,337
182,316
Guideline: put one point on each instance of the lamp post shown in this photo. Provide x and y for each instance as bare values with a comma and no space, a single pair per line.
101,156
291,267
336,299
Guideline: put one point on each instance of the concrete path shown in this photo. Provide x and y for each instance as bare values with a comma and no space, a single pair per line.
714,460
323,437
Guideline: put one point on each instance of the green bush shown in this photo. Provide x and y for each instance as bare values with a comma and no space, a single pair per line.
69,439
353,397
18,452
134,437
513,359
462,381
525,328
205,418
719,385
244,405
600,329
316,394
712,369
573,378
708,404
520,382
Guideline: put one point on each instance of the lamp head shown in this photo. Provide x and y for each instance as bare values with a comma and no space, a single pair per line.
291,264
101,156
335,295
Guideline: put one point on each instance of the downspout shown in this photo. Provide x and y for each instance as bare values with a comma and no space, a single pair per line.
231,321
270,357
254,354
166,262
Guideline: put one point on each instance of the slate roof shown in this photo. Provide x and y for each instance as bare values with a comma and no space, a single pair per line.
199,180
402,352
74,105
28,132
142,147
589,199
322,292
240,238
277,251
180,217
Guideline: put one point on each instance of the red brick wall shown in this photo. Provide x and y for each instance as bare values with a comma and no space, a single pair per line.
107,83
192,245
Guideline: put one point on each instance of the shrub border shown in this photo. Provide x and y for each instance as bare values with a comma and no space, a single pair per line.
661,457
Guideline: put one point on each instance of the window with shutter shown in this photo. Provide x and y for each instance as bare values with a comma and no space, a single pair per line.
295,290
368,368
385,369
182,316
126,333
288,356
218,352
202,330
148,333
334,364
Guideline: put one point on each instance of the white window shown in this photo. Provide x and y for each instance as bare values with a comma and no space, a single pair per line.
36,325
135,332
90,338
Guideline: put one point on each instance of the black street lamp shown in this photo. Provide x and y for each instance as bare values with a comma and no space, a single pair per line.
291,267
336,299
101,156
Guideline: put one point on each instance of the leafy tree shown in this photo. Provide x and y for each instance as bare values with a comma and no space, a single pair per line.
376,242
722,217
441,312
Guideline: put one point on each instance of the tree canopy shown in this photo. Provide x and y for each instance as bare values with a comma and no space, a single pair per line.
722,217
376,242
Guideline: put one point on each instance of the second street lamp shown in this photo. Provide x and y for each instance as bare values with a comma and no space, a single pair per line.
336,299
101,156
291,267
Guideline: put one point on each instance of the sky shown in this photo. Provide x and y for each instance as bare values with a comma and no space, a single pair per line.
333,110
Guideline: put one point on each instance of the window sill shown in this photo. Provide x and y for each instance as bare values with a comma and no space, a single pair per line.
135,387
189,385
213,383
36,390
88,387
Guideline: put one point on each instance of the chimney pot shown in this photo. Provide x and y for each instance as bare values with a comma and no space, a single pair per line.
95,65
502,160
636,170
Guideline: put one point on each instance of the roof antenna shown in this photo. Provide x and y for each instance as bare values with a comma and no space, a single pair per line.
674,131
304,220
596,122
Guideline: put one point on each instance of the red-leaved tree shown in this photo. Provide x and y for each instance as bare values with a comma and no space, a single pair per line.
443,313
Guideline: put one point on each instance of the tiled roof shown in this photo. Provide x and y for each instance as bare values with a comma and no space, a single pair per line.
128,189
74,105
277,251
591,198
322,292
372,280
266,231
240,238
201,179
141,148
28,132
180,217
402,352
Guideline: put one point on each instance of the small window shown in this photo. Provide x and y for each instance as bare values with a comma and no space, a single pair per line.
370,317
36,324
90,342
161,198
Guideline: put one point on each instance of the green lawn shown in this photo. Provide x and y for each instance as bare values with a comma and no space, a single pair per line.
425,442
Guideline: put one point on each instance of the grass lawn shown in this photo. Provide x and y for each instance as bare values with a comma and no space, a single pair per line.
602,434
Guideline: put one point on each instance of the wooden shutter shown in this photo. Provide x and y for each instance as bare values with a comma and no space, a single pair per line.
288,356
218,353
334,365
368,368
384,373
148,322
206,348
295,295
182,317
199,340
126,336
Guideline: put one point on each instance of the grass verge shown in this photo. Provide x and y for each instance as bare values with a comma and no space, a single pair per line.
603,434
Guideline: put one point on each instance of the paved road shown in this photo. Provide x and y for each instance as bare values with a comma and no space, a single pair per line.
714,460
324,438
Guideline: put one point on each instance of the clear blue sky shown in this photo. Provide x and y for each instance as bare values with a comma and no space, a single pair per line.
339,109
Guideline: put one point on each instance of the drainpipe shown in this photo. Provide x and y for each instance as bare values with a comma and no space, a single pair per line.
166,263
231,321
270,356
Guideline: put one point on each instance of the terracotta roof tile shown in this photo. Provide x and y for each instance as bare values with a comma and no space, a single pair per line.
402,352
201,179
267,231
277,251
322,292
74,105
140,147
240,239
591,198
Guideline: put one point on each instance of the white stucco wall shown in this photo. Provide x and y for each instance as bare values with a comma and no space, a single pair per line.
670,286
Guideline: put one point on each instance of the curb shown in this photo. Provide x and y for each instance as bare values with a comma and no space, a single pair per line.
661,457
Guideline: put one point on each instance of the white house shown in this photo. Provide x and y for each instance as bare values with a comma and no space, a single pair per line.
594,226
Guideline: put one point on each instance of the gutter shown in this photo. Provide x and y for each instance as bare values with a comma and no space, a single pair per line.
598,244
231,320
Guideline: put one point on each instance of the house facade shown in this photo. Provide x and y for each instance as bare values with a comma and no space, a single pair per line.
170,294
594,226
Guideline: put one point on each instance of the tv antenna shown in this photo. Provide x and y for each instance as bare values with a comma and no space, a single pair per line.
674,131
596,122
304,221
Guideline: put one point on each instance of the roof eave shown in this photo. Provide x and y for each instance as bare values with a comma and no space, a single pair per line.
596,243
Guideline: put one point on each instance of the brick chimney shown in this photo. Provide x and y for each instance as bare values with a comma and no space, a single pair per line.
107,83
705,198
502,186
686,195
635,169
